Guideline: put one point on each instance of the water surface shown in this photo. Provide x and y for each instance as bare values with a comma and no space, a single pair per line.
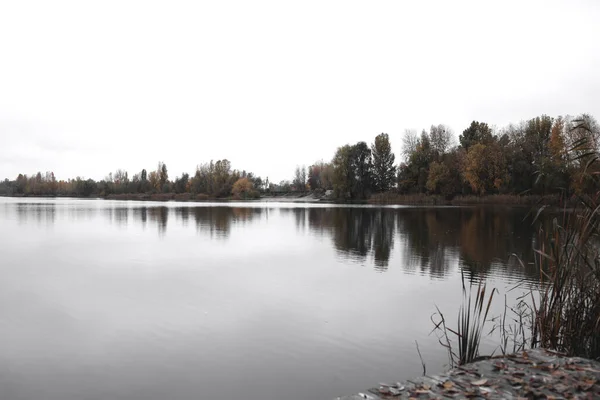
139,300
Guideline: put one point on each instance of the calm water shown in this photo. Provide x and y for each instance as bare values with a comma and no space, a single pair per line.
129,300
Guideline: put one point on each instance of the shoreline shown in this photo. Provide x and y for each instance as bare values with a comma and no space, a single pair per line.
535,373
381,199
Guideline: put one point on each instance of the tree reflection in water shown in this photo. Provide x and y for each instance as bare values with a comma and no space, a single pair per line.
429,241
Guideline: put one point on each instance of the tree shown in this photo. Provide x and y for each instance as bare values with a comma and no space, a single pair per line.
144,185
478,132
180,184
413,175
242,188
352,171
343,173
314,177
384,170
299,181
154,180
486,168
121,181
439,175
556,144
362,165
440,137
318,177
21,184
410,141
163,176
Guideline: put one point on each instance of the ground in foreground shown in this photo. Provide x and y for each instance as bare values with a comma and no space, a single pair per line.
535,374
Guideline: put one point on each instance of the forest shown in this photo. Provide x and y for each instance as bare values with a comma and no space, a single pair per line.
541,156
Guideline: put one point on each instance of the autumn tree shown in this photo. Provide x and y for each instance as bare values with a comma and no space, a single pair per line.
486,168
327,176
154,180
343,172
439,175
319,176
242,188
384,170
556,143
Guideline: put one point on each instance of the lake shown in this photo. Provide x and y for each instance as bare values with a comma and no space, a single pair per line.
140,300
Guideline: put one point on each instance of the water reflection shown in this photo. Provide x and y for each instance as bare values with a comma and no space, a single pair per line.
217,221
356,232
41,213
432,240
481,239
159,216
140,215
428,241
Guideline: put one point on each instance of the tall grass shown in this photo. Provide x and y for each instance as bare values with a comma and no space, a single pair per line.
472,317
567,316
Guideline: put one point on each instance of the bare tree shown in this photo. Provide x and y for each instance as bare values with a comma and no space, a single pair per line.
440,137
410,141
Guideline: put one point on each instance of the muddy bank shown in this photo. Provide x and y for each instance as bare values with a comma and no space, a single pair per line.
535,374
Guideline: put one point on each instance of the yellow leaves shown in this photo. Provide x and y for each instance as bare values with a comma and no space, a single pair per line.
241,187
485,168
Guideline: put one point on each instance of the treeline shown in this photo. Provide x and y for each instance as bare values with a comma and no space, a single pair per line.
540,156
211,180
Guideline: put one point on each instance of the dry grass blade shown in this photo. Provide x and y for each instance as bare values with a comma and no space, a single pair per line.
472,317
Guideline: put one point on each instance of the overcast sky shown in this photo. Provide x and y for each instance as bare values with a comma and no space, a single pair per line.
88,87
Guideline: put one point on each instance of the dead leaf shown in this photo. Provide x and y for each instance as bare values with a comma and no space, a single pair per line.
479,382
448,385
516,381
560,388
421,391
589,369
585,386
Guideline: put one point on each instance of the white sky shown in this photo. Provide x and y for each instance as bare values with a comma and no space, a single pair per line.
87,87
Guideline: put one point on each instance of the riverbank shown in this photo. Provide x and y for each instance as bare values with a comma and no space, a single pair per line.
388,198
283,198
538,374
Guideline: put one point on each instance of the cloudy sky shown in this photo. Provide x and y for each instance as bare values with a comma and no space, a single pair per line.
87,87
